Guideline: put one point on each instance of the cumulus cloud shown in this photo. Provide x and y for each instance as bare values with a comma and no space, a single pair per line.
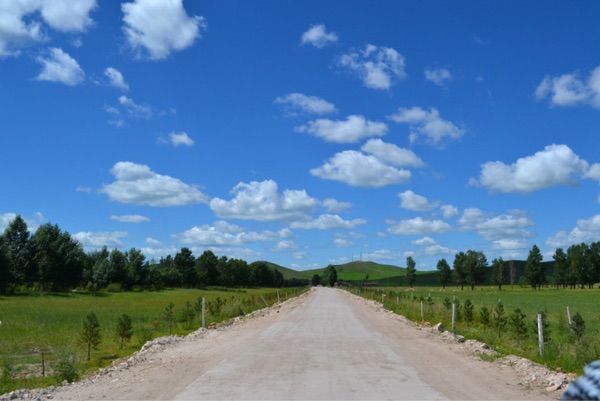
160,27
299,102
432,248
411,201
138,184
94,240
449,211
377,66
571,90
586,230
130,218
328,222
438,76
58,66
360,170
134,109
262,201
553,166
392,154
180,139
284,245
427,124
116,79
511,225
352,129
381,254
417,226
335,206
22,21
318,36
222,233
341,242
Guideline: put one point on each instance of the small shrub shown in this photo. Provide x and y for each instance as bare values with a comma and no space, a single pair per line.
8,370
90,334
169,316
114,287
499,317
188,315
578,326
517,323
67,367
144,335
447,303
484,314
124,329
468,311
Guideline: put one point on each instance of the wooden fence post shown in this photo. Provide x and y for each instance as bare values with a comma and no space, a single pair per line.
203,312
540,333
422,315
453,317
278,300
569,316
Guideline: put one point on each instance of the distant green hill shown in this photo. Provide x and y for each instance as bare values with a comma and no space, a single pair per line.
358,270
286,271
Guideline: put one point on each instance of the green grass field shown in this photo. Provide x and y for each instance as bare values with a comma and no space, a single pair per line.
53,322
564,350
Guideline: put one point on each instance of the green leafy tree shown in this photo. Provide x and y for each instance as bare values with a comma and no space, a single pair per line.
484,315
534,270
207,268
517,323
459,269
316,280
498,272
185,263
17,243
445,272
411,271
137,269
499,317
330,275
475,265
561,268
468,310
169,316
578,326
5,274
124,330
90,334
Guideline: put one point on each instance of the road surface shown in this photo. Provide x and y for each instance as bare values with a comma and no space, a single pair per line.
328,344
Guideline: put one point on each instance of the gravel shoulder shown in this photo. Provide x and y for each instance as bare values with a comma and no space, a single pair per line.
324,344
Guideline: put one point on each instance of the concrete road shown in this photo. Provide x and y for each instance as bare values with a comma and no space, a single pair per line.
327,345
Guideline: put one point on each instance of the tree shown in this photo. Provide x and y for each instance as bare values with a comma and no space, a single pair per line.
475,267
5,276
561,268
513,272
207,268
59,258
459,269
17,243
578,326
330,275
445,272
534,270
169,316
118,267
90,334
185,263
261,275
517,323
411,271
137,269
499,317
316,280
468,307
498,272
124,329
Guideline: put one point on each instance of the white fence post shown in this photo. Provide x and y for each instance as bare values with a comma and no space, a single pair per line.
397,300
422,315
540,333
569,316
453,317
203,312
278,300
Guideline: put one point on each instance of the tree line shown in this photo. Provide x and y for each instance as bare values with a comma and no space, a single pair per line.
578,266
52,260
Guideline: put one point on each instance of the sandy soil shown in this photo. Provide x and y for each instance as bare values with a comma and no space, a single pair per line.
327,344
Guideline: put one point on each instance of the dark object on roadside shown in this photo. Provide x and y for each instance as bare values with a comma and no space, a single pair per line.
586,387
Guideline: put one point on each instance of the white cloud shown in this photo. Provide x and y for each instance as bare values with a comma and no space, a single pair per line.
449,211
381,254
58,66
377,67
222,233
417,226
438,76
299,102
555,165
318,36
138,184
116,79
432,248
21,26
392,154
284,245
411,201
32,222
352,129
328,222
586,230
510,244
341,243
513,224
134,109
427,124
160,27
94,240
570,90
360,170
261,201
299,255
593,172
130,218
180,139
335,206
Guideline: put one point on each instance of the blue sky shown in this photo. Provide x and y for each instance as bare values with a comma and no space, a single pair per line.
305,133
